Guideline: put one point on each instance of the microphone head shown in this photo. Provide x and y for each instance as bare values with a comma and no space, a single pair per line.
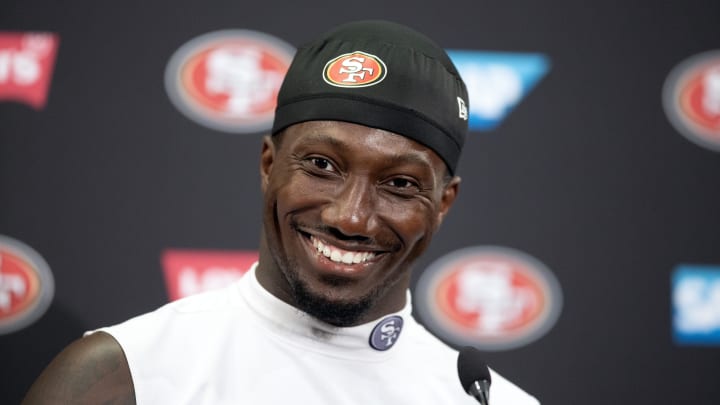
471,367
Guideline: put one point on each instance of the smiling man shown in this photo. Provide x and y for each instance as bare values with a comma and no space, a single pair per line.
347,210
357,176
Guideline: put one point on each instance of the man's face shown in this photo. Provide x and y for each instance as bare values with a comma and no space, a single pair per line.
347,209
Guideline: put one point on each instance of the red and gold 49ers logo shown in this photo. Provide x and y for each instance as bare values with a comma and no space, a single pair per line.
355,69
26,285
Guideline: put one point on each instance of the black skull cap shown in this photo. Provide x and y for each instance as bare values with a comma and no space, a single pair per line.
382,75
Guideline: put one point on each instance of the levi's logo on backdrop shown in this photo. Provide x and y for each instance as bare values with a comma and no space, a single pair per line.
26,64
497,82
189,272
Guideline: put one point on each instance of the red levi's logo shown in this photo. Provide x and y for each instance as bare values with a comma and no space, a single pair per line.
26,64
356,69
189,272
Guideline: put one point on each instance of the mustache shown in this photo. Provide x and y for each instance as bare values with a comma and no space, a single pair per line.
384,242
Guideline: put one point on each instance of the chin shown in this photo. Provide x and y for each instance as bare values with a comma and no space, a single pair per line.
334,311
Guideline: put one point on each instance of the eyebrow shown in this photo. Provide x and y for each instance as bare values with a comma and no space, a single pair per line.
318,137
403,158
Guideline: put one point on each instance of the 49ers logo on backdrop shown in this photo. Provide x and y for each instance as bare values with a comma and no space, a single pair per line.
355,69
691,97
26,285
26,64
229,80
491,298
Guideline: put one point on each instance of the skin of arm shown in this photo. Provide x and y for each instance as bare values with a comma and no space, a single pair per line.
91,370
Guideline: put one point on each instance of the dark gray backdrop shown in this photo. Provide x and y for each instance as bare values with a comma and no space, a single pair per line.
586,174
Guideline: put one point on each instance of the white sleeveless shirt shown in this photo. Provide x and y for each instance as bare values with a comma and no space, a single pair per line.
242,345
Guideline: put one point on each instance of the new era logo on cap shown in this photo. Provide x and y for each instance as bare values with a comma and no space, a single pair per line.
462,109
355,69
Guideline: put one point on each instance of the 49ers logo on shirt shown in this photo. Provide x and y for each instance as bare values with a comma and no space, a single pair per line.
355,69
26,285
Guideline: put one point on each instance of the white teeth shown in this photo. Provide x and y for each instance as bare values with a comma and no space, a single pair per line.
336,256
340,256
347,258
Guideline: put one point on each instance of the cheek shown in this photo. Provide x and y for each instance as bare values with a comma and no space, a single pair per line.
298,193
412,222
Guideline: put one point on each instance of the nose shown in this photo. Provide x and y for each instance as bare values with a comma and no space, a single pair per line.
352,211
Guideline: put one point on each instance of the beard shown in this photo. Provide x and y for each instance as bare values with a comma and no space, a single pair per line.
334,312
324,307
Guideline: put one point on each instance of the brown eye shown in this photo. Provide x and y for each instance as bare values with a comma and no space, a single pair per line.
322,164
400,183
403,184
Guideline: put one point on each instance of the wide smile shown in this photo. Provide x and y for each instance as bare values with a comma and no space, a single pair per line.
329,258
339,255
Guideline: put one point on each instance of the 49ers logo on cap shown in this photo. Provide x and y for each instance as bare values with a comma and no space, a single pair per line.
355,69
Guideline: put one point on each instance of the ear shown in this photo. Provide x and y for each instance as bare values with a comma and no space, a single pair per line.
267,157
447,199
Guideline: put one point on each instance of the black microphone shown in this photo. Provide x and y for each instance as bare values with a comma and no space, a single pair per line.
474,374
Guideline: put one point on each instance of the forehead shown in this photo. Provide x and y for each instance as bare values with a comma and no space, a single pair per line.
371,143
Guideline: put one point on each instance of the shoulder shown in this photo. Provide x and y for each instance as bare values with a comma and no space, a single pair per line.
90,370
216,310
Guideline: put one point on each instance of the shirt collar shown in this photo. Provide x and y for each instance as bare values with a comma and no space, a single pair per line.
297,327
